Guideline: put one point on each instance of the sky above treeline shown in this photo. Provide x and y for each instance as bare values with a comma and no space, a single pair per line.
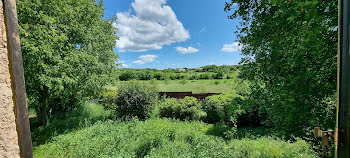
173,33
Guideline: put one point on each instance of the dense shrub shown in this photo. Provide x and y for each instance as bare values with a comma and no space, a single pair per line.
223,108
194,77
205,76
184,81
128,75
107,98
135,99
172,76
188,108
219,75
164,138
146,75
159,75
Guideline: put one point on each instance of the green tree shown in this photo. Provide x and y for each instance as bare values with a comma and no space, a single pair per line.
128,75
67,49
291,55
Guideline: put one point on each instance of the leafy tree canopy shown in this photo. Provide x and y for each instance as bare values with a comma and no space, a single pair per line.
291,53
67,49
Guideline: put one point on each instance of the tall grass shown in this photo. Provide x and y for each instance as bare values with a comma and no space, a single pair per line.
84,116
164,138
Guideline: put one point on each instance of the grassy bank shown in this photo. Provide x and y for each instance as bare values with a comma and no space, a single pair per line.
164,138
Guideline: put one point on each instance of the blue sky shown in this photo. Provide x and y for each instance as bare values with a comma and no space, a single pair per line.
173,33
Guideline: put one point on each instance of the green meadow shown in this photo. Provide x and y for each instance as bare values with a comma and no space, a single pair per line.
197,86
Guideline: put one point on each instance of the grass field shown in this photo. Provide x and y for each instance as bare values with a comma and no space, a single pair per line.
198,86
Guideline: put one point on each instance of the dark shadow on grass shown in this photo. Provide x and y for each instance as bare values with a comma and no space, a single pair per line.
218,130
66,122
243,132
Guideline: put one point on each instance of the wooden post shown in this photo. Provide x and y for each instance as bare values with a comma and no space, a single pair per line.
343,106
15,139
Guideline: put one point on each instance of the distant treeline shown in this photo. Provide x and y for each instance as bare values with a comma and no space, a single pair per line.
205,72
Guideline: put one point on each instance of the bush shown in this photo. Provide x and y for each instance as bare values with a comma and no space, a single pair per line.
146,75
128,75
184,81
135,99
219,75
216,82
188,108
107,98
205,76
223,108
194,77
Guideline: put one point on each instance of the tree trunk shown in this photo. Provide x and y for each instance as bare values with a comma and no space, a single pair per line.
43,105
42,115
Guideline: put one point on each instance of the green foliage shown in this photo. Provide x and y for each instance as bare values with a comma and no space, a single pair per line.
223,108
67,55
291,56
146,75
219,75
194,77
107,98
83,116
205,76
135,99
219,72
184,81
188,108
128,75
165,138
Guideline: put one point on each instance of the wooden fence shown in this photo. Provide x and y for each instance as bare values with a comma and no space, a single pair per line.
181,95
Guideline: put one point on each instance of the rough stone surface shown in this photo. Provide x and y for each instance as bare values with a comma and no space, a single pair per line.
8,133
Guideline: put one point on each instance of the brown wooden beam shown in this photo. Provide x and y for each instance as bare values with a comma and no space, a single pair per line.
18,82
343,106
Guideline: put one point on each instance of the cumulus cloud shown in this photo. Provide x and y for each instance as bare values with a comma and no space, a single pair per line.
151,25
121,63
186,50
143,59
234,47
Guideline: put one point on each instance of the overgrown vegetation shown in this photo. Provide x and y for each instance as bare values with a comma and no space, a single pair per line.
285,85
188,108
223,109
82,116
165,138
135,99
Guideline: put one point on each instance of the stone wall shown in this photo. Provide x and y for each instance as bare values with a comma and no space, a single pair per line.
8,132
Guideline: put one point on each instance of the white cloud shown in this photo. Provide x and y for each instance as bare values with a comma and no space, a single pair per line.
186,50
152,25
234,47
122,63
143,59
